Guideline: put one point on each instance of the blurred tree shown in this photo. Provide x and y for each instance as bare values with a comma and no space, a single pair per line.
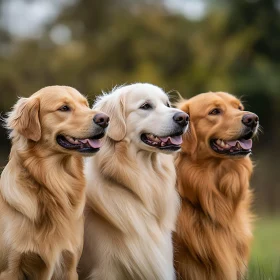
96,44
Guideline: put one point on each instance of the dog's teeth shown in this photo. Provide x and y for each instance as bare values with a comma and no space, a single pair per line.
238,145
222,144
162,144
153,138
157,139
218,142
71,140
227,146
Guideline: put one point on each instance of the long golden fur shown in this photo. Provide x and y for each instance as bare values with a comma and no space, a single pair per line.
42,190
132,202
213,233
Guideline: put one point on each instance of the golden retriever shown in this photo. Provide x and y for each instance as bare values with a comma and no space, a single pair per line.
132,201
213,235
42,192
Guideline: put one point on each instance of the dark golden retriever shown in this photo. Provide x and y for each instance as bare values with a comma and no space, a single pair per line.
213,235
42,190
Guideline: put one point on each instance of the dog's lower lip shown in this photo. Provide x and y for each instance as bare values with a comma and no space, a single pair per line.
163,143
79,145
221,147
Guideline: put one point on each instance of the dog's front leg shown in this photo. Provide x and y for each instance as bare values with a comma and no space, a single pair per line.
68,267
14,269
27,266
72,269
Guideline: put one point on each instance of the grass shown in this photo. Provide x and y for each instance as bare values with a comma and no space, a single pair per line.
265,257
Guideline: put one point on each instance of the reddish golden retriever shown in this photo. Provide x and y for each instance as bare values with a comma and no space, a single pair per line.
213,235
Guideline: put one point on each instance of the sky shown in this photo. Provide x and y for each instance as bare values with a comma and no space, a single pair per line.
26,19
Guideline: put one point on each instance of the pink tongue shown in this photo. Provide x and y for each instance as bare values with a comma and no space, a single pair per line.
175,140
164,139
94,143
245,144
231,143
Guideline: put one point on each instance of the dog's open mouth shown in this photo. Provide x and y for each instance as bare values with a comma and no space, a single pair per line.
239,147
82,145
172,142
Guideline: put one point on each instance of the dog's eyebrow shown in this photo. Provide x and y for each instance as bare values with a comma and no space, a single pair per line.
84,102
237,103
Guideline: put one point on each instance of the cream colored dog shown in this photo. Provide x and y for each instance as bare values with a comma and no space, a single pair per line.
132,203
42,188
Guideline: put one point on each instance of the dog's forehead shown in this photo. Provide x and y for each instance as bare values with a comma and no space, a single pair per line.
227,97
56,94
215,99
151,93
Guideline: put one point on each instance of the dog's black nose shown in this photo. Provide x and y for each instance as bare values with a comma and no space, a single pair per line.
250,120
101,119
181,118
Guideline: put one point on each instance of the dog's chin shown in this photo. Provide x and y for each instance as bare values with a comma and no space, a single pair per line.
84,146
166,144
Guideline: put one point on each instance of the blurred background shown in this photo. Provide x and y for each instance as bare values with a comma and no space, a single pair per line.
191,46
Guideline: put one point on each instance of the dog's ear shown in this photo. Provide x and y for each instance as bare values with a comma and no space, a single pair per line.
115,109
24,118
190,137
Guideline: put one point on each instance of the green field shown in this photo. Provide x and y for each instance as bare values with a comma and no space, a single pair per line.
265,257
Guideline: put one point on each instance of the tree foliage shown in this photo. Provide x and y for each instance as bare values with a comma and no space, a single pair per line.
234,48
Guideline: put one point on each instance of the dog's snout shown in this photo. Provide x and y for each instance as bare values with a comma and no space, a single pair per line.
101,119
181,118
250,120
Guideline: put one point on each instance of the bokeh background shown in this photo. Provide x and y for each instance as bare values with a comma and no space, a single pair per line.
191,46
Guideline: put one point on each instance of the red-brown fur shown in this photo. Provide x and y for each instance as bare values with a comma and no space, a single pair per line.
213,236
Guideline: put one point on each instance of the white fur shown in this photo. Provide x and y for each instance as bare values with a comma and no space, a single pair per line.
132,203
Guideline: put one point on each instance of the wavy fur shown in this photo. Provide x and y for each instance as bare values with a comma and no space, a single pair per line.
213,236
42,194
132,203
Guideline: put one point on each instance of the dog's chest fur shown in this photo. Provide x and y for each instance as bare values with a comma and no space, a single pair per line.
216,201
45,199
148,179
134,204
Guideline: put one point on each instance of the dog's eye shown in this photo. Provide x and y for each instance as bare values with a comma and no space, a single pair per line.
240,108
64,108
215,111
168,105
146,106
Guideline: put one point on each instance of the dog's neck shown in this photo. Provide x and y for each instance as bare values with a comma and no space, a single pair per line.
37,179
147,178
120,159
216,187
